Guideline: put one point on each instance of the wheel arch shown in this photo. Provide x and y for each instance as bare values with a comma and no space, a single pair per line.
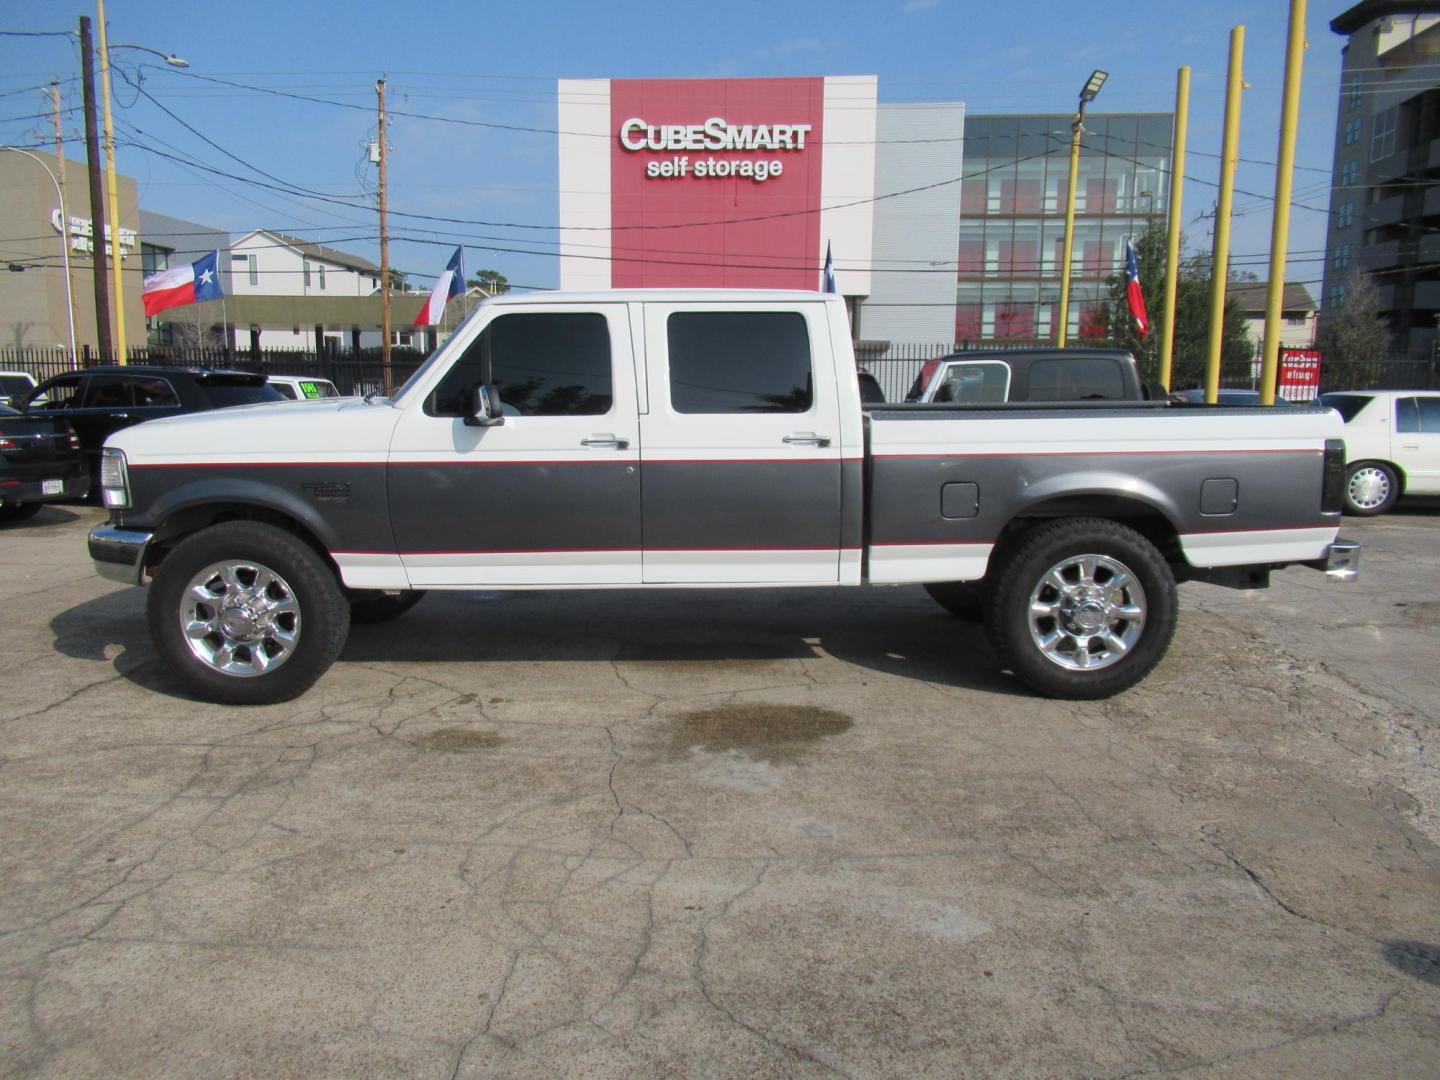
1141,506
1375,459
189,518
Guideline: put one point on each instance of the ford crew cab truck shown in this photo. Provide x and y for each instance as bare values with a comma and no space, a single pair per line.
699,439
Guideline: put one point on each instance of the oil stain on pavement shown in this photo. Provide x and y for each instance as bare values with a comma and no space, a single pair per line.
765,732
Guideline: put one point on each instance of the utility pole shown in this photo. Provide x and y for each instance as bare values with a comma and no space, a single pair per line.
65,219
97,196
384,247
1284,175
1220,260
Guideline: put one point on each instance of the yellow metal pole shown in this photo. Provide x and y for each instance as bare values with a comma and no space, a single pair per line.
1172,236
1284,175
1220,261
112,193
1068,244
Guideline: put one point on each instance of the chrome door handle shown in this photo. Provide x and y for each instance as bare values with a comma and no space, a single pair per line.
807,438
606,440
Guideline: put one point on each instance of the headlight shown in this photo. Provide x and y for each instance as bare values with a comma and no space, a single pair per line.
114,478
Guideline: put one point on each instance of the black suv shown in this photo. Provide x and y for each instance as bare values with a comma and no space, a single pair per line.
98,401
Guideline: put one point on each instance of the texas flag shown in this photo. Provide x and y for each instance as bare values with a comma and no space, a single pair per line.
189,284
1133,296
451,282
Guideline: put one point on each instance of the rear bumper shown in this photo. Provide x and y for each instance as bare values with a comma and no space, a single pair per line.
1341,561
119,554
74,487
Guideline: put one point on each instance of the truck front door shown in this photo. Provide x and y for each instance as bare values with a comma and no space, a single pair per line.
552,495
740,444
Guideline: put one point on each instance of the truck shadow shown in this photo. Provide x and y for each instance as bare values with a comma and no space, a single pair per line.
890,631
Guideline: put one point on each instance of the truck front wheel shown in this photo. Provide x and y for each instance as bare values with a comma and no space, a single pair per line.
1082,609
246,614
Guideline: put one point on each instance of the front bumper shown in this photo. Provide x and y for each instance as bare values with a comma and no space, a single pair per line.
1341,561
119,554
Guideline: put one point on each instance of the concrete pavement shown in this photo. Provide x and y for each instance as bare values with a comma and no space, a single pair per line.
802,833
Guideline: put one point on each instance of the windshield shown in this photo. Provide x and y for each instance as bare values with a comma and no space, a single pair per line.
1347,405
14,385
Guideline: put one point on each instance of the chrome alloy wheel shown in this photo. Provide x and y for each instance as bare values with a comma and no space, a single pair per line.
240,618
1369,487
1087,612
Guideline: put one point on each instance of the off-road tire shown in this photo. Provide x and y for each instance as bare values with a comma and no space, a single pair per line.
323,612
1020,575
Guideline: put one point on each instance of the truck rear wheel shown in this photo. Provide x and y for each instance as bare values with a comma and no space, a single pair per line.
246,614
1082,609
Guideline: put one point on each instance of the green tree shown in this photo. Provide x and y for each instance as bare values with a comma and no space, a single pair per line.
1192,317
492,281
1353,334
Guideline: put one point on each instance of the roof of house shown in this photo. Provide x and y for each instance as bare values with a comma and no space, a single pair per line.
1347,22
1250,295
320,251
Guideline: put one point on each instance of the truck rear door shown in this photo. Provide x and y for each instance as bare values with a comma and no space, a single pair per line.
740,444
552,495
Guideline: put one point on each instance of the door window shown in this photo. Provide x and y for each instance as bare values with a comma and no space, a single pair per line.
987,382
1407,415
739,362
109,392
62,393
542,364
1087,378
154,392
1429,415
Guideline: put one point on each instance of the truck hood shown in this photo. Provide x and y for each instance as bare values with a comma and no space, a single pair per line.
344,429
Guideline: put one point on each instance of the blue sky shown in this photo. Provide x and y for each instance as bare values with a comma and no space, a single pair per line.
497,64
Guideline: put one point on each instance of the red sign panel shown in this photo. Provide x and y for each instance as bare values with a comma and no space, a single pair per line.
1298,377
732,166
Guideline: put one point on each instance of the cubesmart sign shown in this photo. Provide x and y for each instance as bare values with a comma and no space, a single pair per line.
716,182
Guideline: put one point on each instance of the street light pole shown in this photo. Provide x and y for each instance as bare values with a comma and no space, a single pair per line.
1087,95
97,195
64,243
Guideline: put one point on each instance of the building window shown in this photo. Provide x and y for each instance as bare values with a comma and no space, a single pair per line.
1382,136
1341,258
401,339
1337,295
306,263
322,275
254,269
1345,216
1349,173
1352,130
1294,320
1357,87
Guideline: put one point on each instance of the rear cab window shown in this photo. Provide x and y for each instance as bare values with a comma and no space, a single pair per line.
985,382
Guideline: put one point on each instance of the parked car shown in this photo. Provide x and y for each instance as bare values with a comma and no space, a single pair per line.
1392,445
99,401
40,462
871,392
14,385
1029,375
302,387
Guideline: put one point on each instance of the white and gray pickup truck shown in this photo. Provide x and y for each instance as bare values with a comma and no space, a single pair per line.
699,439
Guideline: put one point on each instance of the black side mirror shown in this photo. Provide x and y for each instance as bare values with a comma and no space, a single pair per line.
485,407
